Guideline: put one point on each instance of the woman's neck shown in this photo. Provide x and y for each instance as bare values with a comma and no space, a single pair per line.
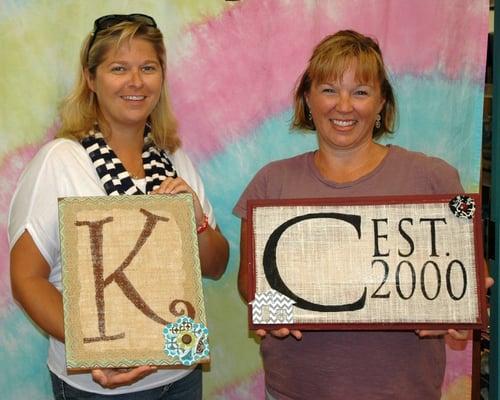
128,144
348,165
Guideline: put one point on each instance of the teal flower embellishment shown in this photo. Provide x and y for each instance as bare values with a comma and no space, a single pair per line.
186,340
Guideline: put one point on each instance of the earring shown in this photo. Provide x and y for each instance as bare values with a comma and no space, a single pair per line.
378,124
309,115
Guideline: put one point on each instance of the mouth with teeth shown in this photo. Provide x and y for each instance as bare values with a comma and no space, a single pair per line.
343,122
133,98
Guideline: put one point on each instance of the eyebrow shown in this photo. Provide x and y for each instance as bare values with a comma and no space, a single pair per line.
127,62
335,84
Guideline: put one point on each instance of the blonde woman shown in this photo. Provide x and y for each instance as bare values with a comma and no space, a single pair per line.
118,116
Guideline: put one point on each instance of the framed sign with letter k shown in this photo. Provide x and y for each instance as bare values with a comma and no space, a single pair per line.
132,288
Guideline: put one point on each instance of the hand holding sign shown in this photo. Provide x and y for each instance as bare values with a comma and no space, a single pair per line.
455,334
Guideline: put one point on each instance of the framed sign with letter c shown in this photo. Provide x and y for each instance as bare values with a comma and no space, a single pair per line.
408,262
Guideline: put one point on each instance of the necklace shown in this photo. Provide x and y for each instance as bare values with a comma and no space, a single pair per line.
136,176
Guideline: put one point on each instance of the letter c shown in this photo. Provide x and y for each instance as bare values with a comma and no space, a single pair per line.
272,272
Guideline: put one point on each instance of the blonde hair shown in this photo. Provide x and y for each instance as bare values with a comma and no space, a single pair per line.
79,111
330,59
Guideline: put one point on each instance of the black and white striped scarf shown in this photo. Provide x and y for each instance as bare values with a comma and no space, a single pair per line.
115,178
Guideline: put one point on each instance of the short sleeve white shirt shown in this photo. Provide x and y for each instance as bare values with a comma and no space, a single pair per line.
62,168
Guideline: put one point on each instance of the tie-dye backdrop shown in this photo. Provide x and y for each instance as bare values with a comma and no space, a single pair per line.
232,67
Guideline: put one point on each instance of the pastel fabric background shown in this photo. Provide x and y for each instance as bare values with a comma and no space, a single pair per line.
232,69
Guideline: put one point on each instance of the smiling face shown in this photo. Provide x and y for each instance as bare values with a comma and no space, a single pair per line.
128,84
344,111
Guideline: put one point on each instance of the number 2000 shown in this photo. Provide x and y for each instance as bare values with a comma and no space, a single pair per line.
429,267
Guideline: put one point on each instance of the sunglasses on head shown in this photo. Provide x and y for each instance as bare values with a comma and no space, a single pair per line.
107,21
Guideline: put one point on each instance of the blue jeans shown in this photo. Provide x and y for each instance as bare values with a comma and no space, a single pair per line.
187,388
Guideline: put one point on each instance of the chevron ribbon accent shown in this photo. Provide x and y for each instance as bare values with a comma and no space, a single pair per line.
272,307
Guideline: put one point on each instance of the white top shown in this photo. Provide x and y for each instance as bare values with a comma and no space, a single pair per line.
62,168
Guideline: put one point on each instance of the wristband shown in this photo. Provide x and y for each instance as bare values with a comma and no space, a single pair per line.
204,225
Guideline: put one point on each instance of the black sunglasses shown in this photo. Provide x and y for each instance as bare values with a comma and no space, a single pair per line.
107,21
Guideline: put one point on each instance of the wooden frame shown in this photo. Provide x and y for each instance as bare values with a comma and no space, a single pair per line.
132,288
407,263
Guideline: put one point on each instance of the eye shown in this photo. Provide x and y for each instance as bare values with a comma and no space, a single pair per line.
361,92
328,90
150,68
118,69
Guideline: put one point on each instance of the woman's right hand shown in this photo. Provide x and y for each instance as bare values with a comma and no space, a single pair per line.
111,378
243,288
280,333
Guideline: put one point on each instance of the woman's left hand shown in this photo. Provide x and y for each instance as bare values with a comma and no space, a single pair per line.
459,334
111,378
213,247
179,185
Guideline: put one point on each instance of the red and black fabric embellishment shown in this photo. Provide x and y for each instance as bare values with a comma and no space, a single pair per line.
463,206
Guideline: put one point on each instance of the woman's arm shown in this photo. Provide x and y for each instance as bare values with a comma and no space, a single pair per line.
243,271
214,252
29,273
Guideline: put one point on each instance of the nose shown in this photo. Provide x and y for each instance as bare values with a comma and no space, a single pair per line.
344,103
136,78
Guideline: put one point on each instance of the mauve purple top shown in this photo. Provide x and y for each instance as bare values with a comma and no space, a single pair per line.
348,364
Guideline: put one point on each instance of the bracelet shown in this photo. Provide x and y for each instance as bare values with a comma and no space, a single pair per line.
204,225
